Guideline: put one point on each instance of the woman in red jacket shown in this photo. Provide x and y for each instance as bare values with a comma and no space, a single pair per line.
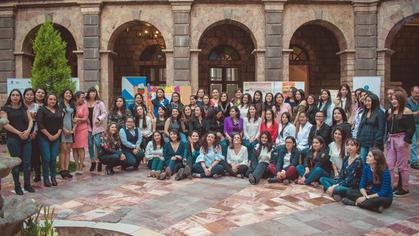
269,124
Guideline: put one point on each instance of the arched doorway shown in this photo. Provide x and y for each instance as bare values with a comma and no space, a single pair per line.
226,59
313,58
28,54
404,62
139,52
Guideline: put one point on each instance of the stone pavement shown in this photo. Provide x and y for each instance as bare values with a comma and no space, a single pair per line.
225,206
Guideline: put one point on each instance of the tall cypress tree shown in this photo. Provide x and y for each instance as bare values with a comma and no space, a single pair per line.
50,68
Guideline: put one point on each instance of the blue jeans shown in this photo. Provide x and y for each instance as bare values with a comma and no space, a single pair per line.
314,175
250,146
49,153
363,153
338,190
216,170
132,159
224,147
93,140
111,160
413,151
23,150
259,170
174,166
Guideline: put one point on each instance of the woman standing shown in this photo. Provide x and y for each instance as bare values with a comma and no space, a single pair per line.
154,153
257,101
291,100
286,165
215,100
138,101
160,120
340,120
110,152
198,122
216,124
173,153
144,125
344,101
326,106
281,107
32,107
268,104
262,158
97,125
67,108
40,94
225,105
175,102
337,149
119,113
206,105
236,101
174,123
237,157
400,128
186,119
312,108
208,162
233,124
286,129
371,127
81,131
159,101
251,125
200,97
301,104
19,142
50,125
269,125
245,103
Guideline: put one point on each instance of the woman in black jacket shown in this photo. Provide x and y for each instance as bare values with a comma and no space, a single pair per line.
287,162
199,122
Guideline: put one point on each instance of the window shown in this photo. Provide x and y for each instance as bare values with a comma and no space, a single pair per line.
298,56
223,53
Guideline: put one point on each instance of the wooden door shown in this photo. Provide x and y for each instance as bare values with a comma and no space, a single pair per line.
299,73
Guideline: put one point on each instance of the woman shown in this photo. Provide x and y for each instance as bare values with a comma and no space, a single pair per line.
270,125
192,102
144,125
268,104
344,101
301,104
97,124
216,124
81,131
326,106
302,131
138,101
208,162
291,97
159,101
375,192
361,95
281,107
236,101
400,130
154,153
192,149
225,104
337,149
186,118
175,102
19,142
245,103
199,123
340,120
233,124
67,108
371,127
312,108
316,164
50,124
251,130
262,158
119,113
206,105
287,161
349,175
257,101
237,157
29,102
174,123
111,154
160,120
320,129
173,153
286,128
40,94
131,139
200,97
215,100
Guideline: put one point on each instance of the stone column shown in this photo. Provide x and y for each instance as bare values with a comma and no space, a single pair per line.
347,66
79,54
169,66
286,64
91,42
7,45
384,70
106,75
273,39
181,10
259,64
365,12
195,69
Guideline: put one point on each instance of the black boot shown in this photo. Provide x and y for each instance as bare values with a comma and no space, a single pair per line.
47,183
18,190
109,170
93,166
29,188
37,177
67,173
53,181
62,173
99,167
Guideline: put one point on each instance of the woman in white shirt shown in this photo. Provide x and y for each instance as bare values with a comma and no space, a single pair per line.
251,128
337,150
154,154
237,157
286,128
246,100
303,130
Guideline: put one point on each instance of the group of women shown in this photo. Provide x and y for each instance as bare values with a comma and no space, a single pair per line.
334,142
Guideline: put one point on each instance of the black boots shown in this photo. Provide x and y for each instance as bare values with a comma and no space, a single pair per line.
93,166
53,181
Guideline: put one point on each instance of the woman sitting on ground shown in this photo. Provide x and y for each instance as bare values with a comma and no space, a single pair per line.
262,158
237,157
110,149
208,162
349,174
173,152
131,141
192,150
154,153
287,162
376,175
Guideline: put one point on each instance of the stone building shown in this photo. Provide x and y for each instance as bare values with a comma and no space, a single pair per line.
219,43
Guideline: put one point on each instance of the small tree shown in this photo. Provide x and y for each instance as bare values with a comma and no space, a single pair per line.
50,68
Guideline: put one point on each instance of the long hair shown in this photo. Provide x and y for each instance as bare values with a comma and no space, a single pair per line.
236,109
61,103
375,107
171,99
256,113
231,146
288,115
273,116
27,90
205,143
313,106
322,142
249,100
380,166
9,98
260,94
349,102
294,142
115,109
45,92
328,103
342,112
271,102
194,145
268,145
402,99
92,89
143,118
344,140
278,106
302,94
161,140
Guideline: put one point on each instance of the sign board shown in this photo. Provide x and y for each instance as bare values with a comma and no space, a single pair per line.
184,91
273,87
132,85
24,83
370,83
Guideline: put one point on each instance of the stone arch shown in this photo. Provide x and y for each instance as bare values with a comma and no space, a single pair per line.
396,28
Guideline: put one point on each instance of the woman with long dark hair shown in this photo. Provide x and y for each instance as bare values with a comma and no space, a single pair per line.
259,163
246,101
237,157
68,110
319,129
301,104
173,153
111,153
251,126
312,108
285,129
337,149
186,119
40,94
400,130
233,124
97,125
215,98
118,114
192,150
268,103
208,162
160,120
344,101
287,162
206,105
280,106
144,125
340,120
138,101
326,106
81,131
50,125
154,153
175,102
236,101
258,102
291,99
18,141
375,192
225,104
159,101
199,122
270,125
174,123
